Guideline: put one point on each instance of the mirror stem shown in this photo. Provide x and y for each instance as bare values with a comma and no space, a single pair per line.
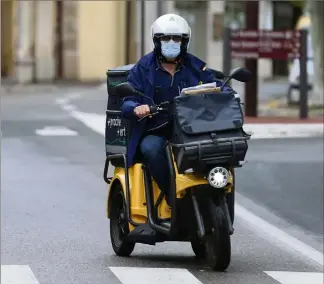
225,82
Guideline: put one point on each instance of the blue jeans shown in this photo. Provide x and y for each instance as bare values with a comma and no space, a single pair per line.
152,148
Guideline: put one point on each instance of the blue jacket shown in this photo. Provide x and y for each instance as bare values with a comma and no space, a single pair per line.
141,77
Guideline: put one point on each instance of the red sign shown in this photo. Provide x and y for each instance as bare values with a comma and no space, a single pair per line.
273,44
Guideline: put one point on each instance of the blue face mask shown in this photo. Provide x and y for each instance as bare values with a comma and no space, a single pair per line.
170,49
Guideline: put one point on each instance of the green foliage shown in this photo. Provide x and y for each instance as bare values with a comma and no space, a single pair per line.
300,4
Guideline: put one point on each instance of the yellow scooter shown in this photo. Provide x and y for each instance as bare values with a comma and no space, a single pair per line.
208,142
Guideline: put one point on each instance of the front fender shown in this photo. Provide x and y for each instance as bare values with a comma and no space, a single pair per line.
118,180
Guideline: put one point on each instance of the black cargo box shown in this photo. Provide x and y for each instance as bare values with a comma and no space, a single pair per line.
117,131
208,131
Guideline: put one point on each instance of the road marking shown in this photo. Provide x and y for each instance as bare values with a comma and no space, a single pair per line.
143,275
274,233
55,131
286,277
17,274
68,107
78,95
66,99
97,123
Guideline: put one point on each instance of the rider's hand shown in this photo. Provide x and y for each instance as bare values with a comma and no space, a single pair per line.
142,110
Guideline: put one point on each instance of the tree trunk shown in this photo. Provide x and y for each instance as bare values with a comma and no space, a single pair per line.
316,11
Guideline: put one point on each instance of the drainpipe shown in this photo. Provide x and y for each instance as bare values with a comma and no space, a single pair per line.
128,32
143,28
34,42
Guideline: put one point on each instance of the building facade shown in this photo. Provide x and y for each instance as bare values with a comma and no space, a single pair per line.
80,40
48,40
207,19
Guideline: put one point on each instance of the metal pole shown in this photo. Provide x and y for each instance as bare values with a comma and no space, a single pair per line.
303,57
59,40
34,43
128,34
142,27
251,87
227,59
18,40
159,8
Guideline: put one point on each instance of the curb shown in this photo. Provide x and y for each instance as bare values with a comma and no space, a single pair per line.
39,89
266,120
284,130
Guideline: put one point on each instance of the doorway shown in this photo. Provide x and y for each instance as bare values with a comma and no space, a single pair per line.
7,39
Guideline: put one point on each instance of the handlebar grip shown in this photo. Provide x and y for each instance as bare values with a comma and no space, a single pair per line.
153,109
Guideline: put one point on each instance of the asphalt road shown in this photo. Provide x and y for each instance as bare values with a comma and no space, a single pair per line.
53,202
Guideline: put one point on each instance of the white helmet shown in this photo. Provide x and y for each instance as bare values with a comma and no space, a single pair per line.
171,24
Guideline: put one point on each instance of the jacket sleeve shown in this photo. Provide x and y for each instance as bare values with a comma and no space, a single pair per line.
135,78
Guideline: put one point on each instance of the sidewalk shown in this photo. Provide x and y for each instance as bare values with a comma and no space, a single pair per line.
278,107
279,121
41,88
283,120
276,120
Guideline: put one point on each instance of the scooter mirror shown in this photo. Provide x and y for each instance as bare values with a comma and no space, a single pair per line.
241,74
125,89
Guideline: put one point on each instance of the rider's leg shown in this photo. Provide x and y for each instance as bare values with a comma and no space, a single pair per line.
152,148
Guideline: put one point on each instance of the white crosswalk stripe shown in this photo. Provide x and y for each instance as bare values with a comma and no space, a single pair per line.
17,274
143,275
287,277
127,275
55,131
22,274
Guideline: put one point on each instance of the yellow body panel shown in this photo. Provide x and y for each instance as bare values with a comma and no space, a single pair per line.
137,191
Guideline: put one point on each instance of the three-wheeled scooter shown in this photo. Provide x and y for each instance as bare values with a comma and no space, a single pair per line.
208,142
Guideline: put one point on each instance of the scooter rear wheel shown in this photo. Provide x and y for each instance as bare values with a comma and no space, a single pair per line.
218,242
119,224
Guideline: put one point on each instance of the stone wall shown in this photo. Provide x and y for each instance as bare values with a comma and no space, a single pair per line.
70,39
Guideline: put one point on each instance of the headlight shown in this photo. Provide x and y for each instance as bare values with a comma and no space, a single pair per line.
218,177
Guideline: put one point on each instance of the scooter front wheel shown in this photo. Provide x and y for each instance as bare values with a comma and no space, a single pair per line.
198,248
218,241
119,224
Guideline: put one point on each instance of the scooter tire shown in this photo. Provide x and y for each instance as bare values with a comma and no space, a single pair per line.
119,227
198,248
218,242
